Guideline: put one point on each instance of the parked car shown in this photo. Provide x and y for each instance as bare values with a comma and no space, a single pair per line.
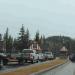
28,55
41,57
49,55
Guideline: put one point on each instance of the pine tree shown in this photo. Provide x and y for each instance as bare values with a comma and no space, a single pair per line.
27,38
10,44
6,39
23,39
15,45
37,39
42,41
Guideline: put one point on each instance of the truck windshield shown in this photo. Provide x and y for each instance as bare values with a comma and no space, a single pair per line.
48,53
27,51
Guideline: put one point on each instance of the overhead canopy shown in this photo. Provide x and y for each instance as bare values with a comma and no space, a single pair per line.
64,49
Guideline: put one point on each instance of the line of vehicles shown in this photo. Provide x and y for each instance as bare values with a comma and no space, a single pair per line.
27,55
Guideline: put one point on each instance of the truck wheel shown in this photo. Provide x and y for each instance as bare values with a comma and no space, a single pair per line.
0,67
21,61
5,61
26,60
37,61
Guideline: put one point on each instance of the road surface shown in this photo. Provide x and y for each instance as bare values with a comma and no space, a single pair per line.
14,66
66,69
11,67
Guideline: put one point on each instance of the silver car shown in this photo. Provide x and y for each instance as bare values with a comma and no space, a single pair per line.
41,57
48,55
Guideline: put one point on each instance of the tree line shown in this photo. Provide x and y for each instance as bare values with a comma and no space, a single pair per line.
23,40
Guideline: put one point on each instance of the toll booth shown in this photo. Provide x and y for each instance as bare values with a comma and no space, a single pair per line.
63,52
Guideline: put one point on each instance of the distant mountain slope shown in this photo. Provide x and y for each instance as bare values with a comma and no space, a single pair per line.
55,43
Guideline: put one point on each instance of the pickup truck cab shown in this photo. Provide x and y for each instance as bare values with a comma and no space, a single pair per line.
3,59
29,55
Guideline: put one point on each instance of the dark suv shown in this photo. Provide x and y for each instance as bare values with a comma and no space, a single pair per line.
72,57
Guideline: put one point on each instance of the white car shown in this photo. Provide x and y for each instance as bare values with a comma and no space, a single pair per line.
49,55
41,57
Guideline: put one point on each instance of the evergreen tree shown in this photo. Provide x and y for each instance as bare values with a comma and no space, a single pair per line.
6,35
6,39
27,38
15,44
23,39
10,44
37,39
42,41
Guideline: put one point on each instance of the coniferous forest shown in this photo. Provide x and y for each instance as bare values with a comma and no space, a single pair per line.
23,41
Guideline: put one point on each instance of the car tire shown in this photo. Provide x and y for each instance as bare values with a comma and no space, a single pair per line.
21,61
5,61
25,60
37,61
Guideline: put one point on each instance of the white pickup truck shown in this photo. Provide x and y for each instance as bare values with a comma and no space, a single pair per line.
3,59
28,55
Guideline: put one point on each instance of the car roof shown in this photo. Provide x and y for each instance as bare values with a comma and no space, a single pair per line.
29,50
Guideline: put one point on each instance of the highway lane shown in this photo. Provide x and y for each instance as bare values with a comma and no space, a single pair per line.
66,69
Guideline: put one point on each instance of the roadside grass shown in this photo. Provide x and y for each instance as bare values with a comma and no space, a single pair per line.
35,68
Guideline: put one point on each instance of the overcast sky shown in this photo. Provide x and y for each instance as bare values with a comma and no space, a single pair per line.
50,17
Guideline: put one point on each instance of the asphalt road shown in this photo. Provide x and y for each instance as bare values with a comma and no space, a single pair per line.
66,69
13,66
